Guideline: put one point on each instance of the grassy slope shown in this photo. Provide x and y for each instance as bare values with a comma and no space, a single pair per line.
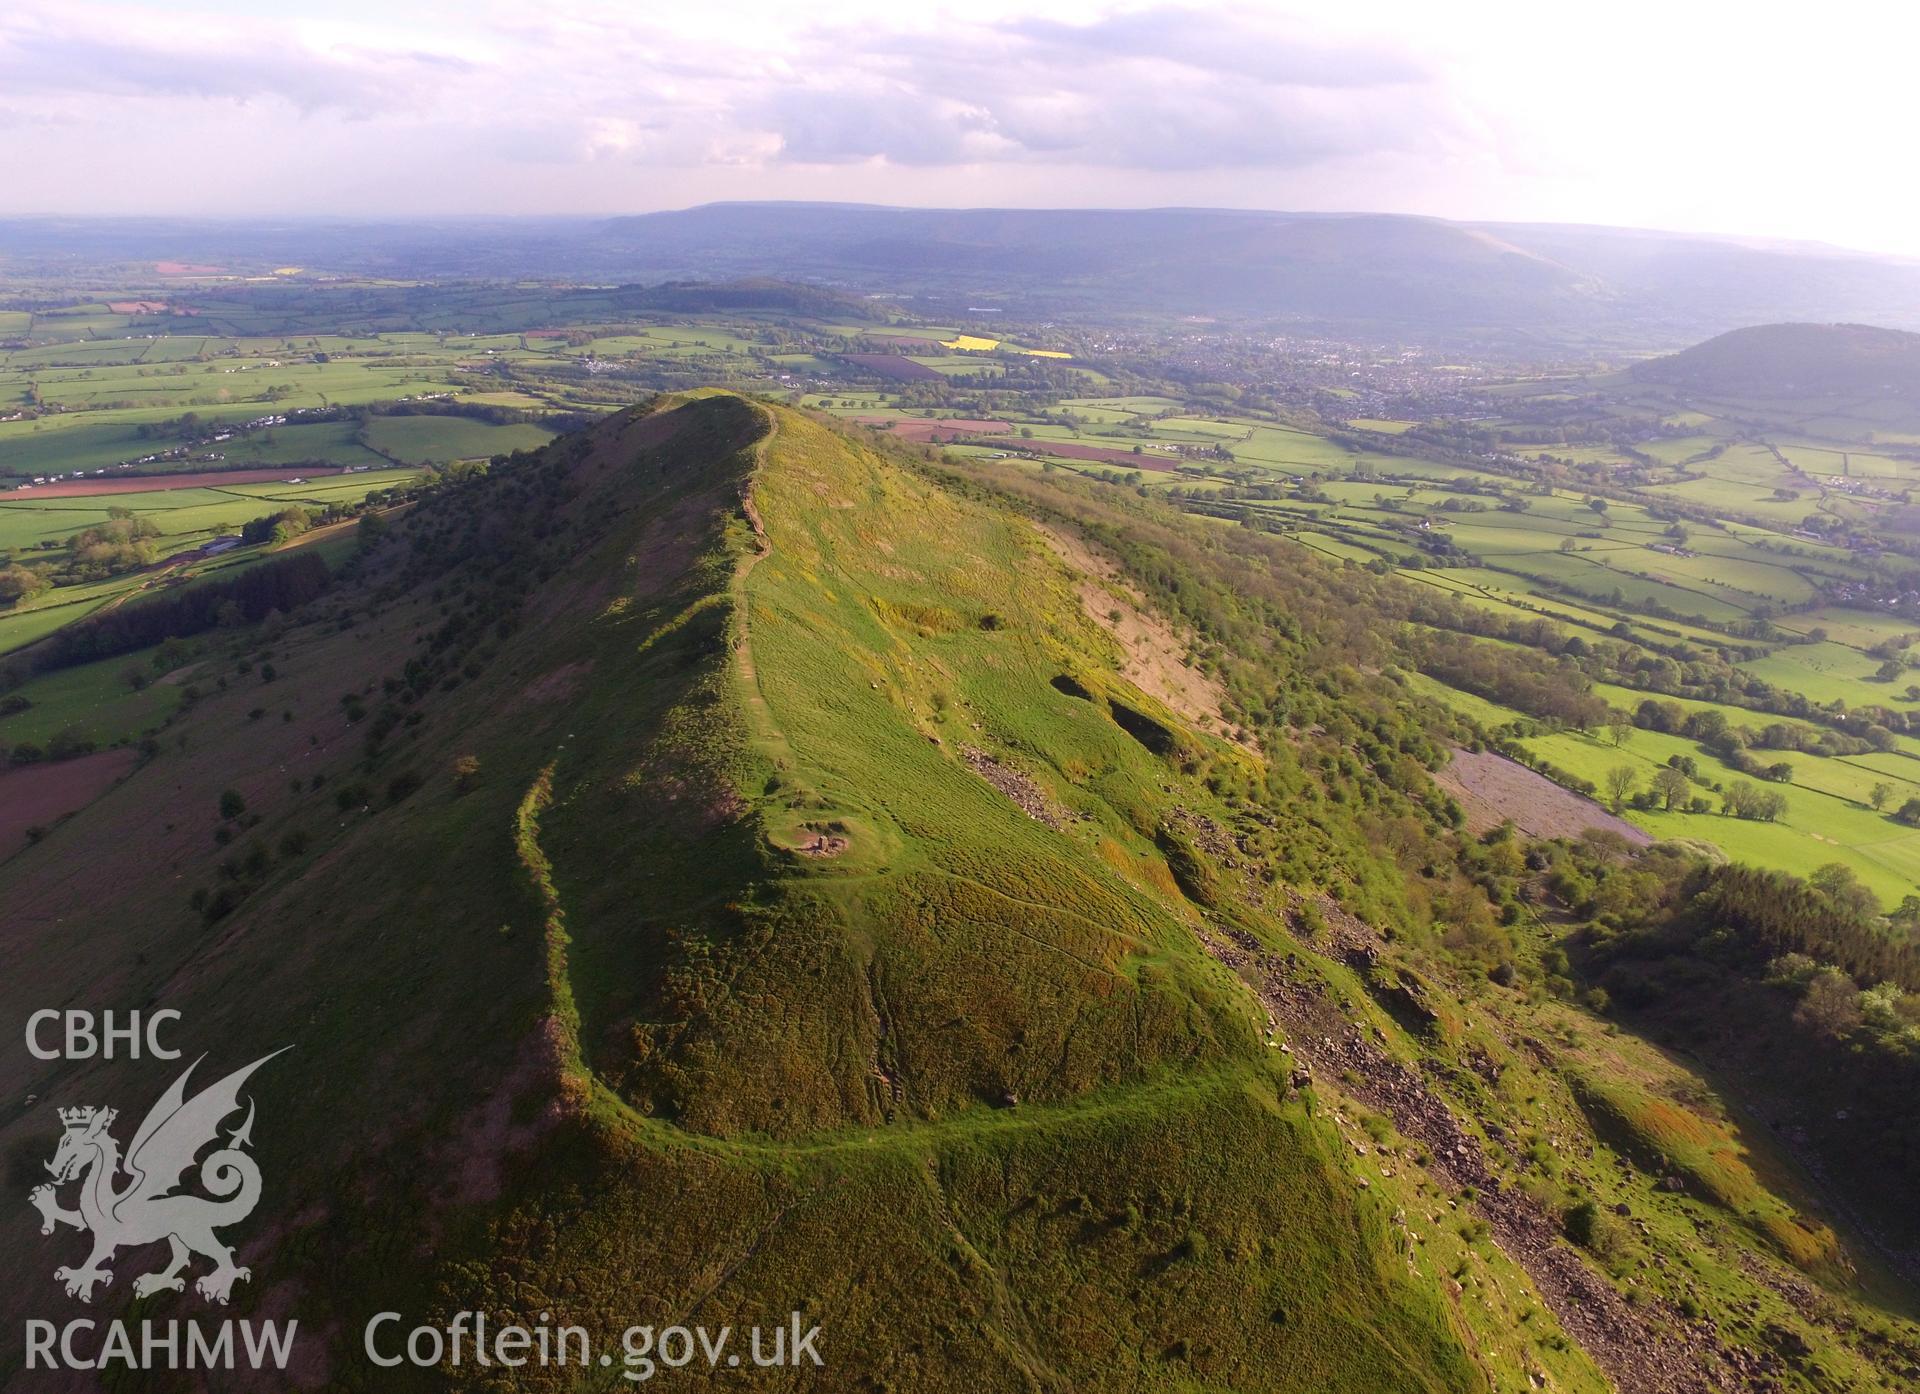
859,640
695,1074
835,1046
799,1070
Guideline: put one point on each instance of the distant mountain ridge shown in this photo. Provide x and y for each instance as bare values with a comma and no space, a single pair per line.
1824,359
1407,278
1392,272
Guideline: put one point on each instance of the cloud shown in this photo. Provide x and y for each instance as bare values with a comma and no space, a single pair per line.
1160,89
825,125
428,106
68,56
1222,42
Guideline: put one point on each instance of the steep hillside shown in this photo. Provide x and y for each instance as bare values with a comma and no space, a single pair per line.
713,868
717,918
1796,360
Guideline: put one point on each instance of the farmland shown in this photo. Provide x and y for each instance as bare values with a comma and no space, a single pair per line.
1187,682
1828,815
185,520
144,427
1666,531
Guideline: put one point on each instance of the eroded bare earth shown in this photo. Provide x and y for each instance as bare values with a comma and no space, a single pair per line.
1156,652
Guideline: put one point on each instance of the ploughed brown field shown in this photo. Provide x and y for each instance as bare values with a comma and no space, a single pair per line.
146,483
1491,788
1071,450
919,429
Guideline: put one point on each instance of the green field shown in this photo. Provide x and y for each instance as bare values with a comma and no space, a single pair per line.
186,518
184,515
1833,672
95,700
439,439
1827,818
1490,534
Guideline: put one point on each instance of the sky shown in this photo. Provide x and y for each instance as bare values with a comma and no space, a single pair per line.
1763,121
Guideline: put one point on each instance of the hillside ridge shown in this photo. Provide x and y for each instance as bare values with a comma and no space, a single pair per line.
821,917
1796,359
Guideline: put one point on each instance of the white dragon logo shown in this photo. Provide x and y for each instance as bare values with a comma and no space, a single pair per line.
146,1209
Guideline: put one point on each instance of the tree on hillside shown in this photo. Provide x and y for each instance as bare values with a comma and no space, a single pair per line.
20,583
1881,793
1671,786
1831,1006
1620,782
1667,717
1845,891
283,526
1745,799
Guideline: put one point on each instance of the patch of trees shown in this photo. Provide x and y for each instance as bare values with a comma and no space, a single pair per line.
20,583
1746,800
123,543
492,415
245,598
1752,916
68,743
1513,678
1731,743
186,426
283,526
1760,970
